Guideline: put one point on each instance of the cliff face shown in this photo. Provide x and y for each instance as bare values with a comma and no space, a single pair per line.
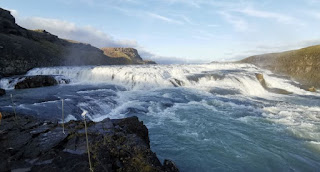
302,65
22,50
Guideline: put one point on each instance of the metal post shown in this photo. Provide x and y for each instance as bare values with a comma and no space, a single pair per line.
86,131
13,107
62,107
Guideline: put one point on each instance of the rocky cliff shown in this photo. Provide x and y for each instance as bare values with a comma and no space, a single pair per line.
302,65
22,50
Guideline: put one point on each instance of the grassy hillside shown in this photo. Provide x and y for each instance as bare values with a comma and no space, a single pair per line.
125,56
302,65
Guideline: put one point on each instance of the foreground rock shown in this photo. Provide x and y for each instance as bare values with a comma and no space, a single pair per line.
2,92
115,145
36,81
301,65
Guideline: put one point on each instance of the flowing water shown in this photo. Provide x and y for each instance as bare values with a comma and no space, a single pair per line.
214,117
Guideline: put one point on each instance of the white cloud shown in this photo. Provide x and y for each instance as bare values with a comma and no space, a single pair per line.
186,19
213,25
163,18
264,49
69,30
192,3
13,12
88,34
266,14
314,14
169,60
238,23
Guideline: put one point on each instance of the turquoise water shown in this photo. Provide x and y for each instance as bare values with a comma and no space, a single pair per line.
208,123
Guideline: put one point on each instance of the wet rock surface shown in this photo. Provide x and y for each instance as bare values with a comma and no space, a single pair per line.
263,83
32,144
2,92
36,81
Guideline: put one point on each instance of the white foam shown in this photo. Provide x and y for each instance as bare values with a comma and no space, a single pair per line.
142,77
301,121
69,118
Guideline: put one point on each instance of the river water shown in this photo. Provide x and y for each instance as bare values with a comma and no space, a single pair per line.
213,117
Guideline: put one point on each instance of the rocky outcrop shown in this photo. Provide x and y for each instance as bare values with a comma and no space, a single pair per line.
312,89
123,55
2,92
260,78
22,50
149,62
264,84
36,81
30,144
302,65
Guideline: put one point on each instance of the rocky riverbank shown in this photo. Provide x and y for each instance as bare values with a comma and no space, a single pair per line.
31,144
301,65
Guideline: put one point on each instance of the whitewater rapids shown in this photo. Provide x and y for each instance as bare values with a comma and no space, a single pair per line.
211,117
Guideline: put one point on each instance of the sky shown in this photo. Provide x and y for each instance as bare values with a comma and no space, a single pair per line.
178,31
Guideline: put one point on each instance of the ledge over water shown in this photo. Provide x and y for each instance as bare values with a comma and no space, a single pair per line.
31,144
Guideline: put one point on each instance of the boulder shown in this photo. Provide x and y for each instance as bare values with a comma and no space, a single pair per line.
176,82
260,78
36,81
31,144
312,89
2,92
264,84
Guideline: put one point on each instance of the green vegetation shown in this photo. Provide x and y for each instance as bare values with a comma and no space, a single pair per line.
302,65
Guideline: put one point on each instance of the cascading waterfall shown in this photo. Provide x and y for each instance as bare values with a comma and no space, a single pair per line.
209,117
228,75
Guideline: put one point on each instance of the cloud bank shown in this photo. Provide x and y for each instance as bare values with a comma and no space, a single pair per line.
91,35
68,30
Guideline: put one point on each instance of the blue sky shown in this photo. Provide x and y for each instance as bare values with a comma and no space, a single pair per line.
171,31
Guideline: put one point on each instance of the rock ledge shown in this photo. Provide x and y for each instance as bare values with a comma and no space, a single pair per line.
32,144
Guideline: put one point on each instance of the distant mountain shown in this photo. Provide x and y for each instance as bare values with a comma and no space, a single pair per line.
22,50
302,65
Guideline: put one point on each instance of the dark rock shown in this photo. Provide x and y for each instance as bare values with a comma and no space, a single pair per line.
2,92
176,82
115,145
169,166
149,62
36,81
